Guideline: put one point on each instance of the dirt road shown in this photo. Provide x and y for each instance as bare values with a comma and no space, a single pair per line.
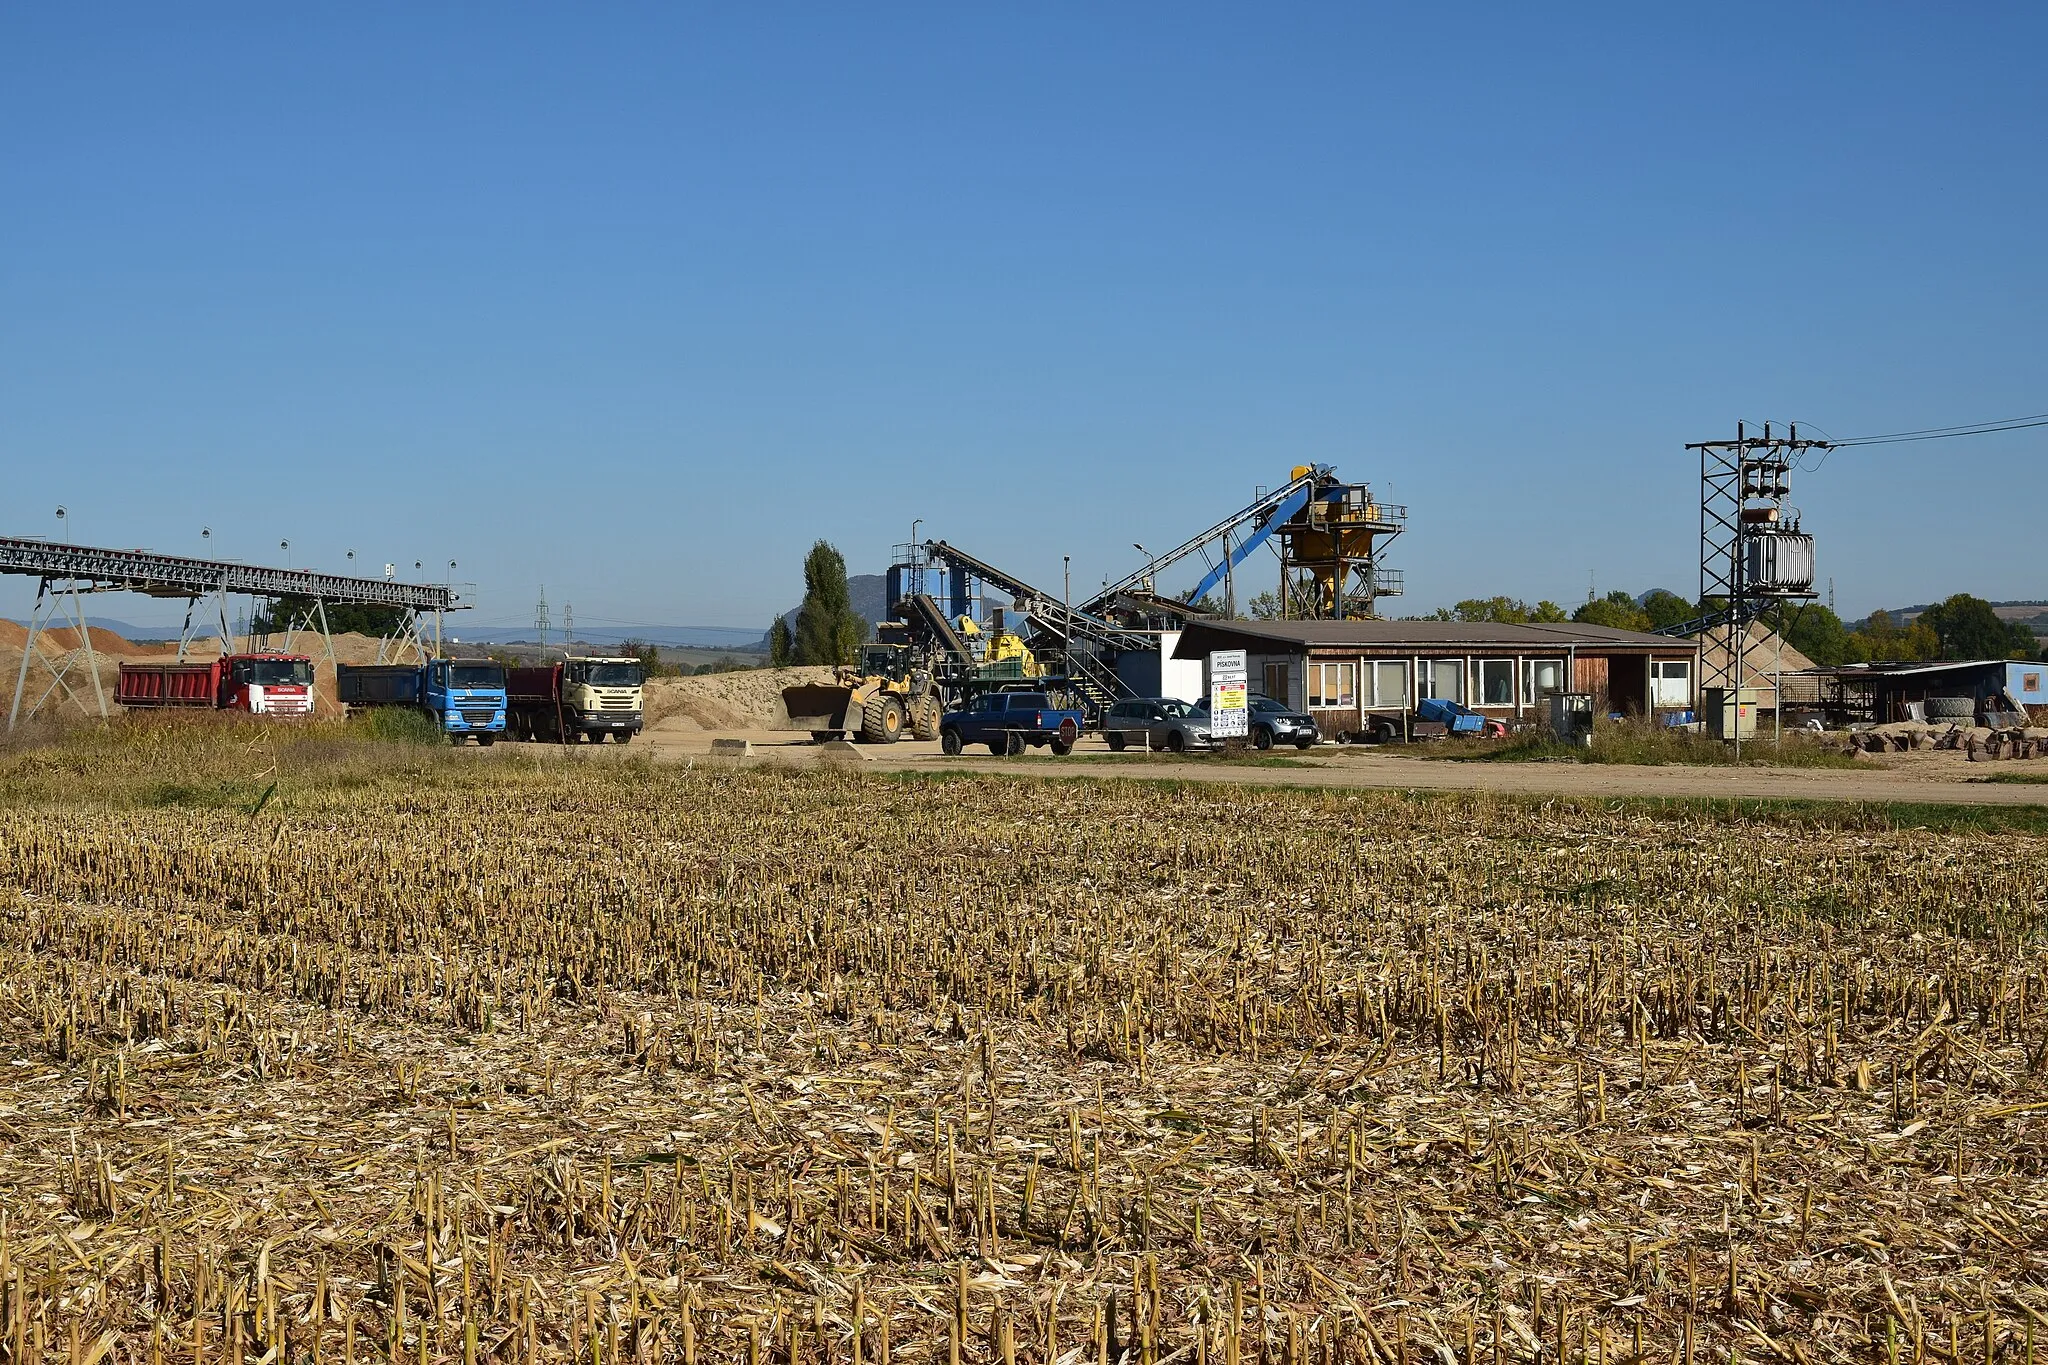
1911,778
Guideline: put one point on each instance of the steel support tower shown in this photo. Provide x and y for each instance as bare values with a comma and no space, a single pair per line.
68,574
1753,555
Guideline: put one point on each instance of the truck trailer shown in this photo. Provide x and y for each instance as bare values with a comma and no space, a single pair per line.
578,698
261,684
465,697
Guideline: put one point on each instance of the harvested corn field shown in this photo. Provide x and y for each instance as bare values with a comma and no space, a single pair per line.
522,1061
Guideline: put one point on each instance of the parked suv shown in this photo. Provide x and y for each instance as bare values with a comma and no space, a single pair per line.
1162,722
1272,723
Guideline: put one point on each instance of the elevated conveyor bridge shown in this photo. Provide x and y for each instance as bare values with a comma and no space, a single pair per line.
67,574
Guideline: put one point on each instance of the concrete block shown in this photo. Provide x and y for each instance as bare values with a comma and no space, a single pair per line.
737,748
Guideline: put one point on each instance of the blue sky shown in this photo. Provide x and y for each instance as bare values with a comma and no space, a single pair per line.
639,301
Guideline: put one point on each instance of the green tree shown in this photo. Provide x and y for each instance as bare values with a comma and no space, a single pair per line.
1549,613
1264,607
354,618
827,631
1666,609
1506,611
1881,640
1617,611
1815,631
1970,628
649,655
781,644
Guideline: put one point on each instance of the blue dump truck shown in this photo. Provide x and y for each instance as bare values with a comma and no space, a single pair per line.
466,697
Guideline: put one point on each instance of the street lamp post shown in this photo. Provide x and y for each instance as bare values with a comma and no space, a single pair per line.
447,586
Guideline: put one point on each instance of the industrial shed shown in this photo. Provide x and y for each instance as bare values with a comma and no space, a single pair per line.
1886,692
1343,672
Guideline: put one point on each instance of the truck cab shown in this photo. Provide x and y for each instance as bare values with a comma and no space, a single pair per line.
268,684
467,697
604,696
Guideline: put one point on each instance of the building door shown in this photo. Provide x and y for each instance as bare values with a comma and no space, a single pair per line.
1628,683
1277,683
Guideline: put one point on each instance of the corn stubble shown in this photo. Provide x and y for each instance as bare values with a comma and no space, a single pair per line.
565,1063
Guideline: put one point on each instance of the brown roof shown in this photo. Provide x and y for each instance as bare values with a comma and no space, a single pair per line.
1202,636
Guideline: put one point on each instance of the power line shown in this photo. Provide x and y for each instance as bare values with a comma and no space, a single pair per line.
2039,419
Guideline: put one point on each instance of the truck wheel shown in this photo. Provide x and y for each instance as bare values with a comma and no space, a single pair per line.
456,737
823,736
1061,748
881,720
949,741
1013,744
1115,740
924,718
487,739
623,736
596,736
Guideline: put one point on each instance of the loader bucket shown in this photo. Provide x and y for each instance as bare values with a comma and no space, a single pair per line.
816,706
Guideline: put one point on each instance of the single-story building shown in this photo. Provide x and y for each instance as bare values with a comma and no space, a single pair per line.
1346,672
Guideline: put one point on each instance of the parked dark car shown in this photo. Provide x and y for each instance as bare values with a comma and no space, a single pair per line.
1272,723
1159,722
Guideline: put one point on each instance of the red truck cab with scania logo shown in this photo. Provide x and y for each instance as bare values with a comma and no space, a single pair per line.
261,684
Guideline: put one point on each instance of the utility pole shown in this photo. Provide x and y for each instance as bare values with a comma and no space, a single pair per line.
540,619
568,628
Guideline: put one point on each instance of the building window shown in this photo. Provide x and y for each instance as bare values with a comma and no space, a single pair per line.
1541,678
1332,685
1276,684
1496,682
1441,678
1390,683
1671,683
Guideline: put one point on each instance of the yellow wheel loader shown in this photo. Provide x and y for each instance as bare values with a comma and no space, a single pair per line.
874,701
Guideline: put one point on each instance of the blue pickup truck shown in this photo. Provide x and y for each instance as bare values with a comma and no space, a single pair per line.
1009,723
465,697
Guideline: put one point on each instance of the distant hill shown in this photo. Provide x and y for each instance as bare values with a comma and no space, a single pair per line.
679,637
868,593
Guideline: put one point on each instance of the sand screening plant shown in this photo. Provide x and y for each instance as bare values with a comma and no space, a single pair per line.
577,1062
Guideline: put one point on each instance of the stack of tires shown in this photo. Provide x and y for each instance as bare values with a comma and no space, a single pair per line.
1957,710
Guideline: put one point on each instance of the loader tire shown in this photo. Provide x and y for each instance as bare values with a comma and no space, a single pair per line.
924,719
881,721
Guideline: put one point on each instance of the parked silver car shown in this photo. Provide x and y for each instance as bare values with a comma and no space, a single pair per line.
1161,722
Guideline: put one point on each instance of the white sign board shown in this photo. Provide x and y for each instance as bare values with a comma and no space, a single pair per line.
1229,699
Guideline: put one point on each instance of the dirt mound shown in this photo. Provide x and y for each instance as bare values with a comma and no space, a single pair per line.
749,700
13,635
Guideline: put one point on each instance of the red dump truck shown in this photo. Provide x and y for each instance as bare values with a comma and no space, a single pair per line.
261,684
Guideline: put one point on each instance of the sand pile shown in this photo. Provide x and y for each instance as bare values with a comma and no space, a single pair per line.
749,700
64,638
